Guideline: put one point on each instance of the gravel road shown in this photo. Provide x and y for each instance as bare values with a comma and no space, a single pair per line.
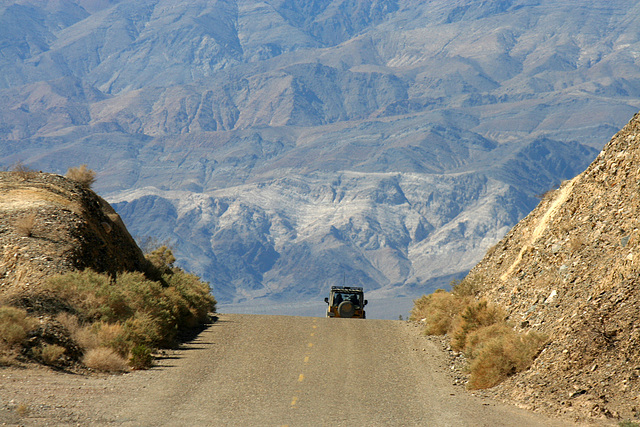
250,370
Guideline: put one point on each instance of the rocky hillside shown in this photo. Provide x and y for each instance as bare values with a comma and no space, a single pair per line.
284,146
51,225
570,269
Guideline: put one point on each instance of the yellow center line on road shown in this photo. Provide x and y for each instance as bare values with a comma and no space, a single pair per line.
294,399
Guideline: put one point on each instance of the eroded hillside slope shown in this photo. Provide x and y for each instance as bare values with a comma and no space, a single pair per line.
570,269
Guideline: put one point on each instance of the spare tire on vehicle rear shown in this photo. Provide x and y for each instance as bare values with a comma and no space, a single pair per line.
346,309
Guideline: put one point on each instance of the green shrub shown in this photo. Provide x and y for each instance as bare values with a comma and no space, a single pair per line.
141,357
192,299
162,258
89,293
131,310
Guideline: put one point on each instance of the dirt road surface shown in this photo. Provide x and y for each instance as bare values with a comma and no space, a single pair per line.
249,370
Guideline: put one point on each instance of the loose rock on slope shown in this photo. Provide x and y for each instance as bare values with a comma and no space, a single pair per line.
570,269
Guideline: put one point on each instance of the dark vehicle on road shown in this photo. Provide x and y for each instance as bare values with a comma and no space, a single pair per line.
346,301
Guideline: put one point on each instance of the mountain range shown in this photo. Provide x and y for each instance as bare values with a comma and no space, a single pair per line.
283,146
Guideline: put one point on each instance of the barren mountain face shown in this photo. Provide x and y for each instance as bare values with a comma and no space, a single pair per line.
283,146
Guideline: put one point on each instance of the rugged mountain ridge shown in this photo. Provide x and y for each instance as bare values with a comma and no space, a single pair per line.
570,270
190,111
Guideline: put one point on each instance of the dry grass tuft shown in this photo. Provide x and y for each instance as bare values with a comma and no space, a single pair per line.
497,352
83,175
25,225
6,360
69,322
22,410
105,360
473,317
438,311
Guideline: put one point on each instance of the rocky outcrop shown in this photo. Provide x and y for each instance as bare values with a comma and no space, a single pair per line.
52,225
570,270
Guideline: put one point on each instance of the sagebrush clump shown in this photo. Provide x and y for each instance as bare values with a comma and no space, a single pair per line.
495,350
82,175
115,320
49,354
15,325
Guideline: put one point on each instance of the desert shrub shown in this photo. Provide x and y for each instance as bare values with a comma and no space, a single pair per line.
86,337
498,351
25,225
475,316
467,287
15,325
104,359
86,291
438,311
162,258
69,322
23,172
479,329
111,335
419,309
97,298
191,297
82,175
131,310
50,354
141,357
101,334
6,360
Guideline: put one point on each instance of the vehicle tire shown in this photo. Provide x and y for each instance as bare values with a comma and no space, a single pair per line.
346,309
